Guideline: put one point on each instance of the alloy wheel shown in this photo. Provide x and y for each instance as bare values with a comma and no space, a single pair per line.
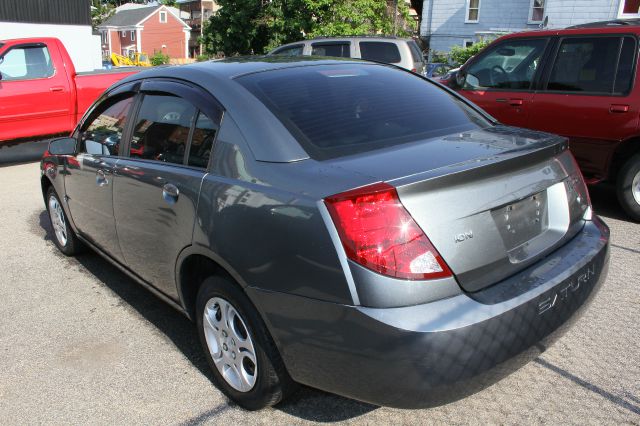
58,220
230,344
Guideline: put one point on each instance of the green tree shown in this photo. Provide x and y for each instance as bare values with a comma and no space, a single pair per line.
257,26
100,12
459,55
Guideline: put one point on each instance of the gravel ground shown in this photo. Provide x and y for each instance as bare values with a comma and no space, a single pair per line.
82,343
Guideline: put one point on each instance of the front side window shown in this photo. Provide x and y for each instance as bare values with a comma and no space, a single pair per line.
473,11
380,51
102,135
591,65
26,63
511,65
290,50
340,50
161,129
337,110
536,13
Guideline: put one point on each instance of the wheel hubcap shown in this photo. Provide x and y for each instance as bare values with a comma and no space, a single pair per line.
635,187
230,344
58,220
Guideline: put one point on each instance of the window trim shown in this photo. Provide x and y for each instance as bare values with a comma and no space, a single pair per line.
537,77
161,14
469,8
544,10
29,45
554,56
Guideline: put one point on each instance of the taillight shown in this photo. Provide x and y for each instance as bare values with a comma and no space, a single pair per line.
578,191
378,233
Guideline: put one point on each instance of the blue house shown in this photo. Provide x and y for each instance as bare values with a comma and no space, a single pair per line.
448,23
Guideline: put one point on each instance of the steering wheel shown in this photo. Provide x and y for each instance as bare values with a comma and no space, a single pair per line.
498,76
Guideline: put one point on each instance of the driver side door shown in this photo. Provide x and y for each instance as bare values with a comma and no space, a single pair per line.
502,79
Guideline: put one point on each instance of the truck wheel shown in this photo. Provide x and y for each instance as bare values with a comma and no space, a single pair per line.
629,187
245,361
64,237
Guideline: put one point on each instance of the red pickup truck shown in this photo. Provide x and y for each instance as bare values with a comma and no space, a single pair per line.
40,92
580,82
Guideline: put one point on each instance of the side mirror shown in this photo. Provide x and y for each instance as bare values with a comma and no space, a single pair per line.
62,146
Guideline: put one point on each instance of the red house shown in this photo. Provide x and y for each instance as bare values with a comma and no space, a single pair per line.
147,29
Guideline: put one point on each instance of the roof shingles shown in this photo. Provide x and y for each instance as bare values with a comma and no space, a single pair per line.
129,18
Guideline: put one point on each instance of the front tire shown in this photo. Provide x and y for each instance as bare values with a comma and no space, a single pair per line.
64,237
245,362
628,187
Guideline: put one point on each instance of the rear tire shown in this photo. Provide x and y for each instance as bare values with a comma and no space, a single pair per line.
245,362
63,236
628,187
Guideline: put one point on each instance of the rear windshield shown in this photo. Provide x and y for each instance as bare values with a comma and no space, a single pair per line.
380,51
338,110
416,54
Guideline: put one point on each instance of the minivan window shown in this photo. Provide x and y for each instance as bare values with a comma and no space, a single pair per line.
336,110
162,128
509,65
290,50
102,135
585,65
340,50
380,51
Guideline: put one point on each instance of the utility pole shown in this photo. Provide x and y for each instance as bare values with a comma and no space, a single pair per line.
395,16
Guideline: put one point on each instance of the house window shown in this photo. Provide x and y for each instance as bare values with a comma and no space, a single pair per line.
163,17
123,33
133,35
467,43
473,11
629,8
105,37
536,13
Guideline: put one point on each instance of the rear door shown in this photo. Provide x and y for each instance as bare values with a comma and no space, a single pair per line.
35,98
586,97
157,185
502,79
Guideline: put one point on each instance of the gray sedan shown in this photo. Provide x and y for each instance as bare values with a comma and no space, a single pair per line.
341,224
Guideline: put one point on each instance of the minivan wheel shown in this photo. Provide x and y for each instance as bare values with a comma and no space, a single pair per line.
63,236
245,362
629,187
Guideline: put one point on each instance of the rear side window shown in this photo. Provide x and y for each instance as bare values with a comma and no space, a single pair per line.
380,51
340,50
593,65
203,136
102,133
26,63
290,50
336,110
161,129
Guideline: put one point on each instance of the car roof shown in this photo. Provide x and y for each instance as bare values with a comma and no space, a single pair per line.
605,27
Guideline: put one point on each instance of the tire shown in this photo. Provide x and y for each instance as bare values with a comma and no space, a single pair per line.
628,187
238,339
63,236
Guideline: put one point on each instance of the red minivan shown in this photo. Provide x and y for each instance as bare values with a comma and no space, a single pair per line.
579,82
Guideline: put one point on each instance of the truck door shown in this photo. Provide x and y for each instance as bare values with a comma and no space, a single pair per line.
35,97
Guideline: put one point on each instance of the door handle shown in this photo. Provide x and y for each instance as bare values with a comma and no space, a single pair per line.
170,193
619,108
101,178
516,102
56,89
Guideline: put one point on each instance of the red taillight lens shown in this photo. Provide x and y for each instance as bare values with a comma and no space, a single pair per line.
378,233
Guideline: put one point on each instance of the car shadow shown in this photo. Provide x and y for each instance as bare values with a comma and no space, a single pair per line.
307,404
605,202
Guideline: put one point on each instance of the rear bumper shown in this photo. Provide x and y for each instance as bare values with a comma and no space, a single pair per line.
434,353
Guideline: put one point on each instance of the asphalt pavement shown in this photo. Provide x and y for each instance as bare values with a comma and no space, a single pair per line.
82,343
